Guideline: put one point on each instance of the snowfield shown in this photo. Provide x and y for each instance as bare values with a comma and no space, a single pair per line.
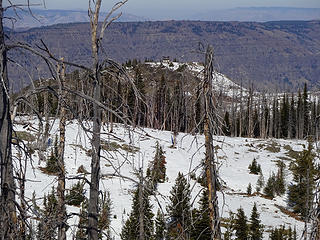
135,148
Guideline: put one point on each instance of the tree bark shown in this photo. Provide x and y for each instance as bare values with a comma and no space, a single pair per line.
8,220
210,166
93,231
62,215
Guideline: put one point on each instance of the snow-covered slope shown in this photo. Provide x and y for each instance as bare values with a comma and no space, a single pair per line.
233,154
221,83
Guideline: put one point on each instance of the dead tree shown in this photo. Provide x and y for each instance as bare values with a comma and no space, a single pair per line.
62,215
209,128
96,38
8,219
141,206
96,145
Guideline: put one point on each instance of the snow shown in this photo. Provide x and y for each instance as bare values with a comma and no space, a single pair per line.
234,156
221,83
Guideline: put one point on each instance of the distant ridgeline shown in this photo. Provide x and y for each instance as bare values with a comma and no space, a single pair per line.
271,56
171,99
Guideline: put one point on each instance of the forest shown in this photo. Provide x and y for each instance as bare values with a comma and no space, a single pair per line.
182,99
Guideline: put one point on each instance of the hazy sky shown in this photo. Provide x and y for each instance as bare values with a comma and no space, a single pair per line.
167,8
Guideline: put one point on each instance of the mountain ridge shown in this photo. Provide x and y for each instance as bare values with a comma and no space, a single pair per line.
274,55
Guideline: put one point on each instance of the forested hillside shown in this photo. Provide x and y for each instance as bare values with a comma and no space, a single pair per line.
245,51
171,99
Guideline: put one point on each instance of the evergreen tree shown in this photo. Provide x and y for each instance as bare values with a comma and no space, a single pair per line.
76,195
256,123
82,233
201,219
179,209
160,101
160,226
282,233
156,173
306,109
229,227
130,230
254,167
249,189
104,220
240,225
47,227
292,119
280,186
284,116
226,126
197,108
140,109
300,194
269,188
256,229
276,183
260,182
299,117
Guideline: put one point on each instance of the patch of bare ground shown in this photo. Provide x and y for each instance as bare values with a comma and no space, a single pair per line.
289,213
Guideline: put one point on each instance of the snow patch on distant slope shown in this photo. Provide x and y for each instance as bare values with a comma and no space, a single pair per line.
221,84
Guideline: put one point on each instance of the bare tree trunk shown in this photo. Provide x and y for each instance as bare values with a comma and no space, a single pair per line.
62,215
21,182
95,161
8,220
43,136
211,171
250,114
141,212
241,112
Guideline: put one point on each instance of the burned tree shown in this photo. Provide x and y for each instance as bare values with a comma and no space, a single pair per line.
8,219
210,122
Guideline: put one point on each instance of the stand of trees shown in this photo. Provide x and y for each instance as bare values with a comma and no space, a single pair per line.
167,102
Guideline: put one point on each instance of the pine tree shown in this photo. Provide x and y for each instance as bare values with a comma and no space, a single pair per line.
47,227
306,109
76,195
160,226
255,228
201,219
104,220
229,227
300,194
249,189
256,123
130,230
160,101
292,119
226,126
254,167
82,233
282,233
240,225
156,173
299,117
260,182
280,185
140,109
179,209
284,116
269,188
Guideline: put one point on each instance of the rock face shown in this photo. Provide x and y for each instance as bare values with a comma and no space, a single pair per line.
273,55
